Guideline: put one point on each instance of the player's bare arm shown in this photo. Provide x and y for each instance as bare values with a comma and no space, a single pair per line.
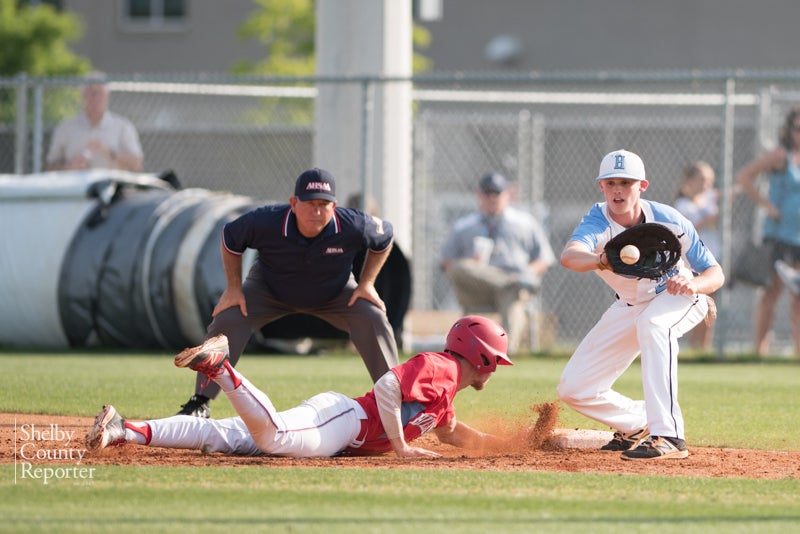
373,263
459,434
232,296
577,257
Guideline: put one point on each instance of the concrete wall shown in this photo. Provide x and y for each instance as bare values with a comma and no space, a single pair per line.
618,34
551,34
206,43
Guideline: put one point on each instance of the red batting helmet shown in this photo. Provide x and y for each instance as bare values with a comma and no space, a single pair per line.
481,341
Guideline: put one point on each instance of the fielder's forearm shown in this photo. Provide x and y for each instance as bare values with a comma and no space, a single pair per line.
709,280
577,257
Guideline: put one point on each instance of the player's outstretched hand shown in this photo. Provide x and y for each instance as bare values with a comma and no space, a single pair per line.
409,452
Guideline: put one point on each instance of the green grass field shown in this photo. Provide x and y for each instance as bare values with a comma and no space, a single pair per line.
746,405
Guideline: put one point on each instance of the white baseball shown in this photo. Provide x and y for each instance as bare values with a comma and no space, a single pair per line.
629,254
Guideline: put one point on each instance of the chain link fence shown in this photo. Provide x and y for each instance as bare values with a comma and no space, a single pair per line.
546,134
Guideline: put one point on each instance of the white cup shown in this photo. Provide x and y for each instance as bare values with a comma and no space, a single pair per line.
483,248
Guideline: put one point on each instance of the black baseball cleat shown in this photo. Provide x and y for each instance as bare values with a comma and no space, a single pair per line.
657,448
197,406
623,441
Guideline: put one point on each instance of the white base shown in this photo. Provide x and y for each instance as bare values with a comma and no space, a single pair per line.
567,438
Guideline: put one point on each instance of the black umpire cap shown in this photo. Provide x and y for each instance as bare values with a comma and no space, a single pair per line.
315,184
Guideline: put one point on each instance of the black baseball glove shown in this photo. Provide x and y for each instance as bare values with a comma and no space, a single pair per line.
659,251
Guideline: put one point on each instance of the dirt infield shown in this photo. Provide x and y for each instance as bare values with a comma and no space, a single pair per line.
538,454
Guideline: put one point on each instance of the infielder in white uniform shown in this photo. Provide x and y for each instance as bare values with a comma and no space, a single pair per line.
647,317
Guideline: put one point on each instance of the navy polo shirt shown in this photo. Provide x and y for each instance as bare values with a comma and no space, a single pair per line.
303,272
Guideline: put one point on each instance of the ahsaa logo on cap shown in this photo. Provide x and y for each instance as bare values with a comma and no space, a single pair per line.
315,184
318,186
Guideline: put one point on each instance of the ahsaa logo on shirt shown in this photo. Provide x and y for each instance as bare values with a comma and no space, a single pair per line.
333,250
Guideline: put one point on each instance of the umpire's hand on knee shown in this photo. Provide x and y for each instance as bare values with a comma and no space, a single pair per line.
229,299
368,292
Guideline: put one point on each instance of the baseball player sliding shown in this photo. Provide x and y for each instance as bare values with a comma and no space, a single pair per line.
406,402
647,317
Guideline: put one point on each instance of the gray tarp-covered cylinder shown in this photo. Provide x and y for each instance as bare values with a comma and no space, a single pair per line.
109,258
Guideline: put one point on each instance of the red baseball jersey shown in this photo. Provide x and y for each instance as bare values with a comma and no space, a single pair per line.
428,383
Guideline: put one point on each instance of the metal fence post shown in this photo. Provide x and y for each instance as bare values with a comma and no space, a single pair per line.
725,208
21,129
367,111
38,127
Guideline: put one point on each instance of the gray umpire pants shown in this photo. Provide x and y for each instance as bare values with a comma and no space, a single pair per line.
368,327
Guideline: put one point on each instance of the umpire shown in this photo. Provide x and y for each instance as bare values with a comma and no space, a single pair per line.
305,259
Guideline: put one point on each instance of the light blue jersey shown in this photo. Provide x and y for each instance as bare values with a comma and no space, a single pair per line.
597,228
784,193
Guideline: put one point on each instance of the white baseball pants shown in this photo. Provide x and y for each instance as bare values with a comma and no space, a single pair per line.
621,334
323,425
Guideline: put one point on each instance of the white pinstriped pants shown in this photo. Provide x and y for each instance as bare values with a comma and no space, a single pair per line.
623,332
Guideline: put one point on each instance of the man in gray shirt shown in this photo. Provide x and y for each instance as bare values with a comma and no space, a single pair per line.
496,256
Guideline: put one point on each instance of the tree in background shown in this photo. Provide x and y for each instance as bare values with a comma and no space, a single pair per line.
286,29
33,40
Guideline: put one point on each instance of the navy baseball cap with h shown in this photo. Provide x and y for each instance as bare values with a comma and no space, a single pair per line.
315,184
